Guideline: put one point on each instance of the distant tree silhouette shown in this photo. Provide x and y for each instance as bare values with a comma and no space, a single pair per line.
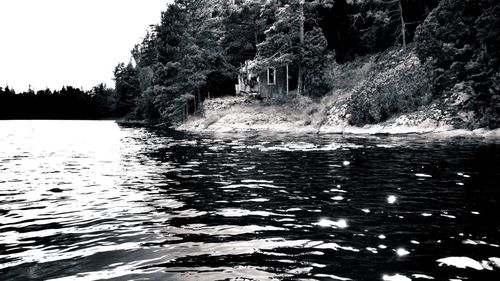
67,103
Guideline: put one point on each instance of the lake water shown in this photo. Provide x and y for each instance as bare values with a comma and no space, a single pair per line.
90,200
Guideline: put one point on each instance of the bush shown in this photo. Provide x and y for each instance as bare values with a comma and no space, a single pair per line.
349,75
488,106
377,101
145,108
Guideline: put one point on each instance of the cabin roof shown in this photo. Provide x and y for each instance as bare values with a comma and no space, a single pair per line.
259,64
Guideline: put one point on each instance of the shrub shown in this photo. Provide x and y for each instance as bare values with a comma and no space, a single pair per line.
377,101
145,108
488,106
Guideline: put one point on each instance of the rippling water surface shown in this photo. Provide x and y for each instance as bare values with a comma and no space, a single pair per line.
89,200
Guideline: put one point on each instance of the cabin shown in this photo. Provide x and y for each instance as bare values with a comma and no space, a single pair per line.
272,81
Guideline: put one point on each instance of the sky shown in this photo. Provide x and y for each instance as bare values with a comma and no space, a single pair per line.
52,43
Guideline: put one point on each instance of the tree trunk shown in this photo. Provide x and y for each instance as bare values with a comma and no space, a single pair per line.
339,36
195,104
287,80
199,99
403,25
299,80
256,37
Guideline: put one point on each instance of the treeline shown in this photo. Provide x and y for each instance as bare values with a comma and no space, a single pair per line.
199,45
68,103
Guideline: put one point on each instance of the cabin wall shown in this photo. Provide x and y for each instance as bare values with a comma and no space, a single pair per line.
278,89
260,83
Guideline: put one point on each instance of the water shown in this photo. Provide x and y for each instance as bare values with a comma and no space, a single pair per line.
89,200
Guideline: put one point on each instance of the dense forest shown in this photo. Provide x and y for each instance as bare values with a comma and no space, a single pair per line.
68,103
199,45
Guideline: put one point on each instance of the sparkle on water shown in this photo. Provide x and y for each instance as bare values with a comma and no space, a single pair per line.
90,200
395,277
341,223
461,262
402,252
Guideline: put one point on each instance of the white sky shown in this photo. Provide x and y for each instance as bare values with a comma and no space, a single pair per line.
51,43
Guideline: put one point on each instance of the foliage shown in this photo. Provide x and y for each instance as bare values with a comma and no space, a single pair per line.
176,60
460,40
243,24
388,93
281,44
358,27
314,59
349,75
127,88
105,101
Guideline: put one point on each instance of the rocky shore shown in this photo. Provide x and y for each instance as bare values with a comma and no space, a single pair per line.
329,116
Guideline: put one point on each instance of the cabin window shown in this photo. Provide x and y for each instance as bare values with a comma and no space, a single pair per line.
271,76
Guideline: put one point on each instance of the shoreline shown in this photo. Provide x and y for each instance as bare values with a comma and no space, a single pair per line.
372,130
329,119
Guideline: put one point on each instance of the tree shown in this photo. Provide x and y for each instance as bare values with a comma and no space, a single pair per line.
127,88
243,23
176,61
283,44
354,27
104,100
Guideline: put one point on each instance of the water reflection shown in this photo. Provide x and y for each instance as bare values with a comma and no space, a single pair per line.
391,199
341,223
91,200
